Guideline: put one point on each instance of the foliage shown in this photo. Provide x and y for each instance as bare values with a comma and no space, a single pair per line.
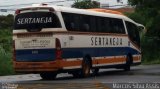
149,10
6,21
6,39
141,4
86,4
6,66
150,50
136,17
148,13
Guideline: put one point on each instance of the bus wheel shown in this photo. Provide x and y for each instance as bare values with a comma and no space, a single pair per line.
48,76
86,67
95,71
128,63
77,74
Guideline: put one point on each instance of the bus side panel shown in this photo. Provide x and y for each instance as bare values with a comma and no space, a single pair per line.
104,49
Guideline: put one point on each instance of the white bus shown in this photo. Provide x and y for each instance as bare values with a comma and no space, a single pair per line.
50,39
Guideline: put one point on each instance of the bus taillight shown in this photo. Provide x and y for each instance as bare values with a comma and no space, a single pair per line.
14,52
51,9
58,49
17,12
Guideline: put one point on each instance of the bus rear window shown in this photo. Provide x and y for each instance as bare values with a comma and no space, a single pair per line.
36,20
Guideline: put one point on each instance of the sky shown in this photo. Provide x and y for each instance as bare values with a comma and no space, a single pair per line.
5,4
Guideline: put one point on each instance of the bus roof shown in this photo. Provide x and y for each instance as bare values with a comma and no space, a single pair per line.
94,12
106,11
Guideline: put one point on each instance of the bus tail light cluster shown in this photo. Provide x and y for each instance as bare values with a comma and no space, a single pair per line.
58,49
14,52
17,11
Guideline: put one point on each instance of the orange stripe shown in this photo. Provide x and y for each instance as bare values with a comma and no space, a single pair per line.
109,60
36,66
70,63
137,58
34,70
54,66
95,61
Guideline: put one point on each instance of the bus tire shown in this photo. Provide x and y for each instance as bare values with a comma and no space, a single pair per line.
48,76
76,74
86,67
95,71
127,66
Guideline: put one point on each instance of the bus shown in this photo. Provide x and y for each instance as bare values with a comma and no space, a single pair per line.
48,40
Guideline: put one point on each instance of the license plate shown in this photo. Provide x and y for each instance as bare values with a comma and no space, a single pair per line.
34,43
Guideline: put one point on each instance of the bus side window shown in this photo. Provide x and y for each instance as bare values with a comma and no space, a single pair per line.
99,24
84,23
75,22
120,26
93,24
107,25
133,32
71,21
117,26
111,24
86,27
72,25
103,25
67,20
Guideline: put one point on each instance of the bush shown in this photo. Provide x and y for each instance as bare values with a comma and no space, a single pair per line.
150,42
150,50
6,21
6,66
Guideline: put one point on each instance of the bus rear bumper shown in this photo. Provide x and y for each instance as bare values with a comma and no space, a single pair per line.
38,67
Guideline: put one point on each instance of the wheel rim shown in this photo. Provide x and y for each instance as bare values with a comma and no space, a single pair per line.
86,70
95,71
128,63
48,76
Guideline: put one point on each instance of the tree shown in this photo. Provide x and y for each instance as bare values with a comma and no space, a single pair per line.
150,11
86,4
6,21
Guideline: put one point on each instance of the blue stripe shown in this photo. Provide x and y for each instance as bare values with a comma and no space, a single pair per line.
97,52
42,55
49,54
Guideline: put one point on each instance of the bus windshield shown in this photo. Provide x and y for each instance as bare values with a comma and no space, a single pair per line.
36,20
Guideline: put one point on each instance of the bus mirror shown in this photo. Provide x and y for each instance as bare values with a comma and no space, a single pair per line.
142,31
142,28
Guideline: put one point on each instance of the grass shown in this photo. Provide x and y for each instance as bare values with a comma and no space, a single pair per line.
151,57
151,62
150,51
6,65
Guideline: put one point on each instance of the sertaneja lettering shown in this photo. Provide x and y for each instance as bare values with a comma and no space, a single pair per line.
34,20
105,41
